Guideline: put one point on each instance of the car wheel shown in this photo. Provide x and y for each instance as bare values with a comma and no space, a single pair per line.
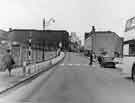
133,73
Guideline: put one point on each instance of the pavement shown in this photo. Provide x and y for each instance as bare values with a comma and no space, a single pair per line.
17,75
74,81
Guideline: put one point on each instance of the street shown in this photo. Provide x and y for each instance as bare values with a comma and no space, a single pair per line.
74,81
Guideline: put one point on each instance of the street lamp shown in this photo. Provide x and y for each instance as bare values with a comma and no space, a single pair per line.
47,23
93,37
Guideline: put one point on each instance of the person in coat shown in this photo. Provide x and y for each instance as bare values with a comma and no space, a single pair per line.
90,58
8,61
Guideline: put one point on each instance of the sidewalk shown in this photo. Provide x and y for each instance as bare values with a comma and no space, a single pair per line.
17,75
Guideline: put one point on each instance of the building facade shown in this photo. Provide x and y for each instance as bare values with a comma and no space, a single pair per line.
75,42
34,44
104,41
129,37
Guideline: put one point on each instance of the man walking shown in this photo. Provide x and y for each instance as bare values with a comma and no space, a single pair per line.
90,58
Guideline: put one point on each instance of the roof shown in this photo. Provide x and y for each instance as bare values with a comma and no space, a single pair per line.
22,35
3,35
103,32
87,35
39,30
130,41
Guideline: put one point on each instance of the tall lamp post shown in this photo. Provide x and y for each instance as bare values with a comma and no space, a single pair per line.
93,37
45,24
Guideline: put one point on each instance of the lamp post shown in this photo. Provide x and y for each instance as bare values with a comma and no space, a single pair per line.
47,23
93,38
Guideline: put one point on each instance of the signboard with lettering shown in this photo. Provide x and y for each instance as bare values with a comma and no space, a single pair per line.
130,24
126,49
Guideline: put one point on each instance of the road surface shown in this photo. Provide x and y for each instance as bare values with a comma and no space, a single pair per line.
73,81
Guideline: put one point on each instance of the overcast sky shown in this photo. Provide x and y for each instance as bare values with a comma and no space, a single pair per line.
71,15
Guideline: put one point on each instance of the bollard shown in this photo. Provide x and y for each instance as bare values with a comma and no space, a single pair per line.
50,63
29,71
24,67
24,70
35,67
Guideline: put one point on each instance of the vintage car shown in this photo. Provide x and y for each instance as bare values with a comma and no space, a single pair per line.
108,62
127,66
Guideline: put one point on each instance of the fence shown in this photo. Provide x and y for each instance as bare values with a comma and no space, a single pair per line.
21,54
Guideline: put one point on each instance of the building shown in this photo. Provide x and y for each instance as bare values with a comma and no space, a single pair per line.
3,41
103,42
29,43
74,37
129,37
75,42
49,38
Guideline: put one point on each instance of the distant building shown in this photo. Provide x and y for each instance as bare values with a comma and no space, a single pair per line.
75,42
74,37
103,41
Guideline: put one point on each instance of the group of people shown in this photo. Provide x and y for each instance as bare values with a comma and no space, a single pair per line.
94,58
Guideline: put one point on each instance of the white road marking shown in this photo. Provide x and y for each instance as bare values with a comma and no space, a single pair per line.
70,64
74,64
77,64
62,64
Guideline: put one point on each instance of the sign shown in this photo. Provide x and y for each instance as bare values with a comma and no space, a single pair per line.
126,49
130,24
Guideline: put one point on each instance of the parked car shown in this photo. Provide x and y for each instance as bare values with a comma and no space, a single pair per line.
108,62
127,66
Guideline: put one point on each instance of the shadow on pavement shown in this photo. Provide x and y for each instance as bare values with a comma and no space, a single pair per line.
128,78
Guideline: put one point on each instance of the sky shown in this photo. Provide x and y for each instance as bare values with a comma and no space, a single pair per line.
71,15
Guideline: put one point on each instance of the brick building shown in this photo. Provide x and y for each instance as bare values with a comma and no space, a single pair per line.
41,41
104,41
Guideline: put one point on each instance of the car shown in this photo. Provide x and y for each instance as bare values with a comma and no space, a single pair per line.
127,66
107,62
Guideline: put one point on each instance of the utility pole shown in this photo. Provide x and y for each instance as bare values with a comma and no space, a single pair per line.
44,24
93,38
30,49
30,44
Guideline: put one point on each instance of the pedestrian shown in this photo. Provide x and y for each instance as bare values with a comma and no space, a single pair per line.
99,59
90,58
94,57
24,67
58,51
8,61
